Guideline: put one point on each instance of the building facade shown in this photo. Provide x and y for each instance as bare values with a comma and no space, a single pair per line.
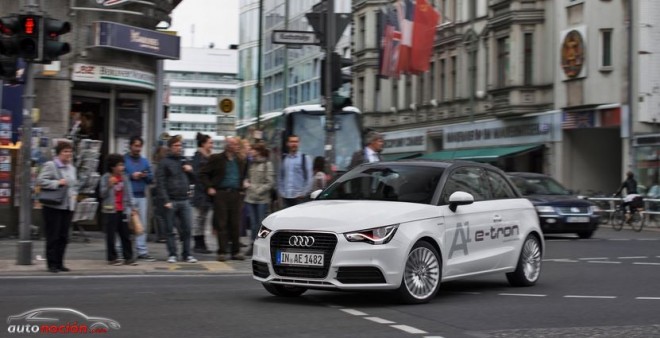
526,85
201,89
111,77
290,75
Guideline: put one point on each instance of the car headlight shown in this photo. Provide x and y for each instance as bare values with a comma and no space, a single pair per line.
263,232
545,209
594,209
380,235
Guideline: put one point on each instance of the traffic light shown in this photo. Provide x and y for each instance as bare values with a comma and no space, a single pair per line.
52,47
9,27
27,37
339,102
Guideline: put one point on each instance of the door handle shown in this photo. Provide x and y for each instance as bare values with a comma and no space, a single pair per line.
497,219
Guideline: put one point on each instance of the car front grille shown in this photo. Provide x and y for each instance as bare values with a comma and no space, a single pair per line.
323,243
360,275
260,269
573,210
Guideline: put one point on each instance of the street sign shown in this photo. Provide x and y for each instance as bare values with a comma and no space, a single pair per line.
295,37
226,105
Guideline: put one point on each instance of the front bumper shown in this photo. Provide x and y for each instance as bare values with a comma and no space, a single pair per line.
351,265
561,224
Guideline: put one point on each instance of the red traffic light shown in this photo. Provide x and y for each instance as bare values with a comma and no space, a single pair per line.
28,25
9,25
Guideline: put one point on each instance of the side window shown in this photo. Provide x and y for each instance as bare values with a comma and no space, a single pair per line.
469,180
499,188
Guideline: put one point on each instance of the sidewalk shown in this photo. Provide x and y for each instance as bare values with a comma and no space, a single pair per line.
89,258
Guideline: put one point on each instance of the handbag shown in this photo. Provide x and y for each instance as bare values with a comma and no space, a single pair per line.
135,224
53,196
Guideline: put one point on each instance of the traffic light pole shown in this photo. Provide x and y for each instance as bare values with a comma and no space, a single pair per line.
25,219
329,48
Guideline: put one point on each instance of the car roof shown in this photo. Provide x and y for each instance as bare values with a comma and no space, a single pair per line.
526,174
437,163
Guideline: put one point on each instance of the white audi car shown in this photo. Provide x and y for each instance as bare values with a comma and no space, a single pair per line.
404,226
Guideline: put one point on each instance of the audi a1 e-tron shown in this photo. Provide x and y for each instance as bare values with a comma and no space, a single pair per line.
403,226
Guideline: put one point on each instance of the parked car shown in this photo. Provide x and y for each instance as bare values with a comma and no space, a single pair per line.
404,226
560,211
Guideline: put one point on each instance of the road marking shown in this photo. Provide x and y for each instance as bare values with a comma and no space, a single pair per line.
522,294
619,239
561,260
354,312
593,297
409,329
604,262
379,320
593,258
633,257
647,298
646,263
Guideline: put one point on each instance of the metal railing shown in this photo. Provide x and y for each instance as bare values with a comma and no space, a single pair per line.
651,206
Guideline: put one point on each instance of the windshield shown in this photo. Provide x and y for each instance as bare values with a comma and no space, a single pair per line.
311,130
415,184
539,186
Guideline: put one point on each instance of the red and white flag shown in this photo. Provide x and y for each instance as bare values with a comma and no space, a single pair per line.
426,19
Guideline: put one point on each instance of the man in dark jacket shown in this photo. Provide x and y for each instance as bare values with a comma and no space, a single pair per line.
370,153
223,176
172,184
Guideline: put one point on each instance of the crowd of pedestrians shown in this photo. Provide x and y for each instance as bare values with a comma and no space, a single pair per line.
233,190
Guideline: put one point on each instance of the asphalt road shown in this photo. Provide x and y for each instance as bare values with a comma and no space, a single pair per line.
604,287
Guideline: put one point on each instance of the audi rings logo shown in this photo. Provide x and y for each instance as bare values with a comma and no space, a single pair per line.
301,241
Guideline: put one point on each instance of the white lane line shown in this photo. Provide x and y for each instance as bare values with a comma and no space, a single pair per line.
593,258
379,320
619,239
604,262
522,294
354,312
647,298
434,337
633,257
647,239
409,329
561,260
645,263
593,297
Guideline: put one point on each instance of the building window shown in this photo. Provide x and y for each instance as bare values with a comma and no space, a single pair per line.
502,61
453,79
395,93
606,49
362,26
431,83
443,80
528,58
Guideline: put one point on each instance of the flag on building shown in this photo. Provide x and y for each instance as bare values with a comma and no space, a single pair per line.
390,42
405,11
426,19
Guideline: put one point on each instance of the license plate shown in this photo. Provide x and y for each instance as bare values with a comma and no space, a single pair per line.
577,219
299,258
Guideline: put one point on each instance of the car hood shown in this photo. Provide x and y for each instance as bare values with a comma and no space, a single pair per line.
558,200
342,216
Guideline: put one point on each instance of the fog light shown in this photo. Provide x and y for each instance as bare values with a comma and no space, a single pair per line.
551,221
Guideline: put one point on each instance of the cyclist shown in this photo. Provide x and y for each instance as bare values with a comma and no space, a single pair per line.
632,199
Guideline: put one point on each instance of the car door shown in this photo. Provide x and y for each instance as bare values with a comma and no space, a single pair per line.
466,247
505,233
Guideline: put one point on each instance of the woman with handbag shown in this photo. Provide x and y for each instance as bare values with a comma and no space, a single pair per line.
58,182
117,199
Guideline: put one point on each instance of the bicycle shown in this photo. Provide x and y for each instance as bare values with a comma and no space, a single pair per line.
636,220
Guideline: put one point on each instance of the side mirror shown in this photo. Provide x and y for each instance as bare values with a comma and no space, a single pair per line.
315,194
459,198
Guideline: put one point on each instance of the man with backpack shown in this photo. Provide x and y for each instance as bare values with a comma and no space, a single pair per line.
294,181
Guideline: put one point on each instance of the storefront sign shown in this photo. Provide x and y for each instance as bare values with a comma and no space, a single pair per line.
113,75
537,129
405,141
135,39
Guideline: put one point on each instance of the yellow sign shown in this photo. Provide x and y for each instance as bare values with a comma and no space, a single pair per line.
226,105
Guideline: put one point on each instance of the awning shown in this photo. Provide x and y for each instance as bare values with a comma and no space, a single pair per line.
399,156
481,154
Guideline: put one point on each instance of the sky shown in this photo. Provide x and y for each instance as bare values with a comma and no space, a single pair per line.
214,21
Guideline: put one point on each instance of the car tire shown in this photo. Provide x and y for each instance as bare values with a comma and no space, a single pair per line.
284,290
528,268
421,275
585,234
